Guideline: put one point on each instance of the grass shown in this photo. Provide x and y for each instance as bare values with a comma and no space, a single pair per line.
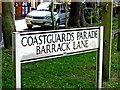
115,23
77,71
7,68
0,68
65,72
115,68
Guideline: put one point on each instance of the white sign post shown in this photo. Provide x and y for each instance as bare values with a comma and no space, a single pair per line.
41,45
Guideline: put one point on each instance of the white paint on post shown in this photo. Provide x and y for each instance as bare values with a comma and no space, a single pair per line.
18,63
100,60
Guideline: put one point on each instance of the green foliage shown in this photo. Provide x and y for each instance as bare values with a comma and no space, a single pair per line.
115,23
90,14
7,68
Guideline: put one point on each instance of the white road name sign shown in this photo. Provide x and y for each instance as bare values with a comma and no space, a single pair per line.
34,45
40,45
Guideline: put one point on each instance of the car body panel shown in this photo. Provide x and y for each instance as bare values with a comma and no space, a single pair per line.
42,15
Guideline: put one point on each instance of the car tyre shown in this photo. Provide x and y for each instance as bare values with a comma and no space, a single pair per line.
29,26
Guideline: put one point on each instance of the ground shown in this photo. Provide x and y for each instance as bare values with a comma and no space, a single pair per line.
21,26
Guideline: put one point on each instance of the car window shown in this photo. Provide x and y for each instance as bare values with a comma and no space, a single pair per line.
43,6
56,8
62,9
46,7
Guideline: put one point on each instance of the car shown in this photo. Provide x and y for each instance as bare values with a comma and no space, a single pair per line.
42,15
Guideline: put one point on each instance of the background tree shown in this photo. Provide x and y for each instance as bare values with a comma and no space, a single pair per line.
82,15
52,15
76,17
8,22
74,14
118,44
66,14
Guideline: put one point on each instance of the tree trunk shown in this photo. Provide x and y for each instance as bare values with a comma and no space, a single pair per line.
82,16
118,43
52,15
8,22
74,19
66,14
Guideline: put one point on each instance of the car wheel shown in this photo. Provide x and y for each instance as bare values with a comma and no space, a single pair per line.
29,26
57,25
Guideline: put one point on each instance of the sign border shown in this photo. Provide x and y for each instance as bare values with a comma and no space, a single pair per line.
17,62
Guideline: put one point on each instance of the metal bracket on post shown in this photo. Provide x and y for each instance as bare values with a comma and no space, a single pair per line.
105,43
